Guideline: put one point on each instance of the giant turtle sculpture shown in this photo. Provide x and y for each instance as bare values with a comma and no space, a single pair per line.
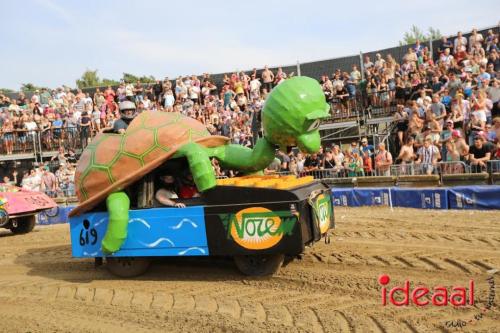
290,117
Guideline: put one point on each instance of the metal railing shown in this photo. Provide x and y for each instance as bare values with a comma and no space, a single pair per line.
414,169
493,166
38,142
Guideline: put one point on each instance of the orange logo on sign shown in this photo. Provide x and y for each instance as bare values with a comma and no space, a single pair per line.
256,228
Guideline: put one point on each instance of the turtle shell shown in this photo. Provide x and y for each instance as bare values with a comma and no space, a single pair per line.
111,162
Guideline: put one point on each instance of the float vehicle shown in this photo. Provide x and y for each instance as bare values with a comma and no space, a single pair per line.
258,220
18,208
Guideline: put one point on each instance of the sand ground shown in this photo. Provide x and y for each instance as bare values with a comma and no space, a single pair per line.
333,288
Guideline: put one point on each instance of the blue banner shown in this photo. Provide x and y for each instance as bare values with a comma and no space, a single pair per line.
344,197
474,197
372,196
51,216
426,198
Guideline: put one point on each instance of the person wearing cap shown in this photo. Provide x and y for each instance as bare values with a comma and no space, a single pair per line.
479,154
379,62
365,147
128,112
445,137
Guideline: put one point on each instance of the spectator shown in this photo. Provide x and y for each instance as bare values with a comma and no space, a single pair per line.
367,163
428,156
312,163
402,121
49,182
267,79
365,147
383,161
479,154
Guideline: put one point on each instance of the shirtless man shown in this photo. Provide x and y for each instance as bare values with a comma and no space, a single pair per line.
460,145
407,155
267,79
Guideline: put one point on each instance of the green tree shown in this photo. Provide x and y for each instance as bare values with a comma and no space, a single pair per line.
130,78
127,77
410,37
109,82
89,79
29,87
6,91
147,79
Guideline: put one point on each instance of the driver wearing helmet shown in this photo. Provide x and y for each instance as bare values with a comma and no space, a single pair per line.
128,112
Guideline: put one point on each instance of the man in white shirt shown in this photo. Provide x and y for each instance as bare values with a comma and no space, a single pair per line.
255,86
475,38
379,63
428,156
459,41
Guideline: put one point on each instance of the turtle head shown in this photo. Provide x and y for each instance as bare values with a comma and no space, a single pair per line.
292,114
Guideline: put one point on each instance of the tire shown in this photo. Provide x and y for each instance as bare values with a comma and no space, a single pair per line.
259,265
52,212
127,267
4,218
23,225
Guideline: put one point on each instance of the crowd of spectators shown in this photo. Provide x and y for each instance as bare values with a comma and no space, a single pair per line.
40,178
445,109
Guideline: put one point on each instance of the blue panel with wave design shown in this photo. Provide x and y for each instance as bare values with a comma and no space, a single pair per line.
151,232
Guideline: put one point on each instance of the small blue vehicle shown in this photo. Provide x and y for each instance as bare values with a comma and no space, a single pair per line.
259,227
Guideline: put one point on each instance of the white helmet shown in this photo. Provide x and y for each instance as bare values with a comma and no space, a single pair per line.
127,105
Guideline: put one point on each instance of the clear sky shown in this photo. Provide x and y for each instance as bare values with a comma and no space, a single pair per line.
52,42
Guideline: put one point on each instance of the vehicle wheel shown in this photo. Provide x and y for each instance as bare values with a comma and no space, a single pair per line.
52,212
23,225
259,265
4,218
127,267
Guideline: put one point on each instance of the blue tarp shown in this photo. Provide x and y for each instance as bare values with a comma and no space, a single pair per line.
344,197
427,198
474,197
61,217
372,196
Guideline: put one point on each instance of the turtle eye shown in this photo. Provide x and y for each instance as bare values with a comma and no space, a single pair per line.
314,126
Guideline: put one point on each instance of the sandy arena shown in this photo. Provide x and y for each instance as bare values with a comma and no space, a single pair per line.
333,288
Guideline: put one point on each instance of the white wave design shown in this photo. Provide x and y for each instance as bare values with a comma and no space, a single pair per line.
158,242
85,253
140,221
182,222
202,251
101,221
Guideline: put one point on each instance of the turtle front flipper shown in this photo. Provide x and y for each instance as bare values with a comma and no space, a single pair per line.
199,164
242,158
118,204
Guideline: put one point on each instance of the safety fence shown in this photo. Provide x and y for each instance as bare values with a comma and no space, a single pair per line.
38,142
456,197
440,170
362,105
